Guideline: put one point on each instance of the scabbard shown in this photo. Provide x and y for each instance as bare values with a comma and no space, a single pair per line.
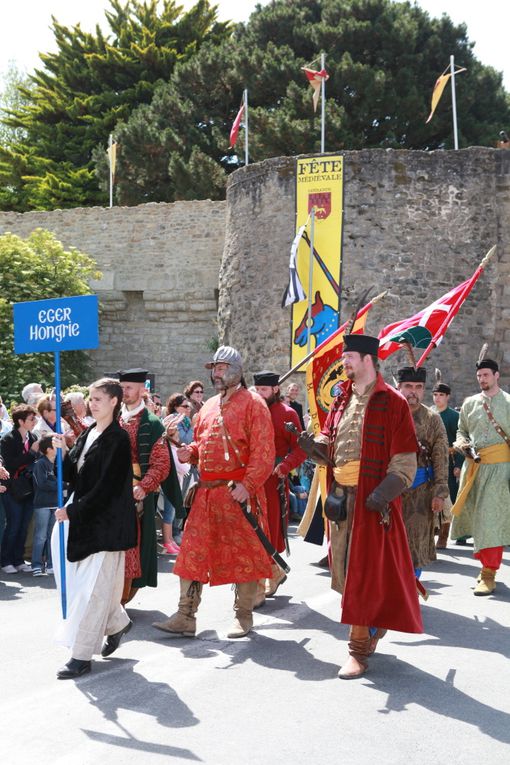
268,547
282,493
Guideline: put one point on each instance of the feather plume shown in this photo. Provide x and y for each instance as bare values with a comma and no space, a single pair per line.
361,302
411,358
438,375
483,353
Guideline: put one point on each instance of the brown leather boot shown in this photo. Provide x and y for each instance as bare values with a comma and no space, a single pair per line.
278,578
260,595
359,651
442,540
486,584
374,639
183,622
243,607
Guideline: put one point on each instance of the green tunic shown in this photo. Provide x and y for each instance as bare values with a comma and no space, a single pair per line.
486,513
450,418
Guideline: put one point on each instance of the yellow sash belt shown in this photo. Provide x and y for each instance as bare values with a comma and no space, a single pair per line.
491,455
348,474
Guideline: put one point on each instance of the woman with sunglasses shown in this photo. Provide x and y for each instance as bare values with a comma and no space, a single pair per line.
194,391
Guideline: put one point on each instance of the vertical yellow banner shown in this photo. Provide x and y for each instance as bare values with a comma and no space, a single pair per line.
319,185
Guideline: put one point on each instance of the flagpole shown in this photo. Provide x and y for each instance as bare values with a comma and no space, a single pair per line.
323,105
246,157
454,105
310,281
110,157
455,309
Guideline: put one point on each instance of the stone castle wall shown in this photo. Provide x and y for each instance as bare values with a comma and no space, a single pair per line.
159,289
415,223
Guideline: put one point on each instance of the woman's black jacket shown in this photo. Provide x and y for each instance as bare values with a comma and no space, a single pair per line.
102,515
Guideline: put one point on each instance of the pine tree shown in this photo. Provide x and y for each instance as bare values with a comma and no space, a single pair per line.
92,82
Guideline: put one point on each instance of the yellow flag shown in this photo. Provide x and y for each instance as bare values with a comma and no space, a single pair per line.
438,91
112,156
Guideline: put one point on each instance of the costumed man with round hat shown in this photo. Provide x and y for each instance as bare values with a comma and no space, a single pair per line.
424,500
482,509
441,393
152,468
233,447
369,444
288,457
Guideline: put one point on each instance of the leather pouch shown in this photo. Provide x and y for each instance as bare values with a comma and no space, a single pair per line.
335,507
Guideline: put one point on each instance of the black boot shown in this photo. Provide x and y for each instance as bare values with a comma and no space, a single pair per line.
74,668
112,642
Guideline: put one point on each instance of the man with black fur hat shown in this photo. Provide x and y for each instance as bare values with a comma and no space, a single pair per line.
441,393
424,500
152,467
233,447
369,444
288,457
482,509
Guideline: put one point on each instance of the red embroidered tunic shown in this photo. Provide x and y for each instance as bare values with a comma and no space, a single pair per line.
218,545
288,455
380,587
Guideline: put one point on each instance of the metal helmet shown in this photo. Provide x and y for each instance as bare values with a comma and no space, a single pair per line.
228,355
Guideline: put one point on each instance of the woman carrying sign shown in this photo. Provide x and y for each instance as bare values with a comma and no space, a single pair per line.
101,525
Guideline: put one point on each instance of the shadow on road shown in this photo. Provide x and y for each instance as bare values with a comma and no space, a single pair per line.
131,693
406,685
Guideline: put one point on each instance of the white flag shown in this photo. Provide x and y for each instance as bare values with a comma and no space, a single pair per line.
294,292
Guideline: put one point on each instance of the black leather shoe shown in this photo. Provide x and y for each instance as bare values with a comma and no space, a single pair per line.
112,642
74,668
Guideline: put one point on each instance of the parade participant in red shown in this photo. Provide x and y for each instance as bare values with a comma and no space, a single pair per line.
288,456
370,445
234,448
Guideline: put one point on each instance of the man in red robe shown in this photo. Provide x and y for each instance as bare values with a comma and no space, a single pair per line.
233,447
370,445
288,456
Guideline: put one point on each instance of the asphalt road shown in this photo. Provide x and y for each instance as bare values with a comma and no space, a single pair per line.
272,697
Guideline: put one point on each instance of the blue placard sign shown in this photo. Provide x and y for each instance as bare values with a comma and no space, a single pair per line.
59,324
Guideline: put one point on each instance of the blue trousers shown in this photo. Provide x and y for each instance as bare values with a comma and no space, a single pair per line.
18,515
44,520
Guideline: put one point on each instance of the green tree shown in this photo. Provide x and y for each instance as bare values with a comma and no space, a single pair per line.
85,88
383,58
38,268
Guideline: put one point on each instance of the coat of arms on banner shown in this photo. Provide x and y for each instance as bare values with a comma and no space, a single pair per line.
322,202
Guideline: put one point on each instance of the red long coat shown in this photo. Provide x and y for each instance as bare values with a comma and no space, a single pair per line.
288,455
218,545
380,587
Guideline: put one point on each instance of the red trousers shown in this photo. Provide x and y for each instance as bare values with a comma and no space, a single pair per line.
490,557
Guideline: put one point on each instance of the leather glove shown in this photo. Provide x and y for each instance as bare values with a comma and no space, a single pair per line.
318,452
390,487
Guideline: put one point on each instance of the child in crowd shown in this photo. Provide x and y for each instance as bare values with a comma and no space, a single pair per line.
45,504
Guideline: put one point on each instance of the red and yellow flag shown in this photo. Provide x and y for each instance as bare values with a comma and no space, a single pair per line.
315,78
234,132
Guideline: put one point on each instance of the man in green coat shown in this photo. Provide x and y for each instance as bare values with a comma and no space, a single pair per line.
482,509
152,468
441,395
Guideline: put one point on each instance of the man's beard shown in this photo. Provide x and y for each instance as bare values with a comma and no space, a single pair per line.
412,400
218,383
271,399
